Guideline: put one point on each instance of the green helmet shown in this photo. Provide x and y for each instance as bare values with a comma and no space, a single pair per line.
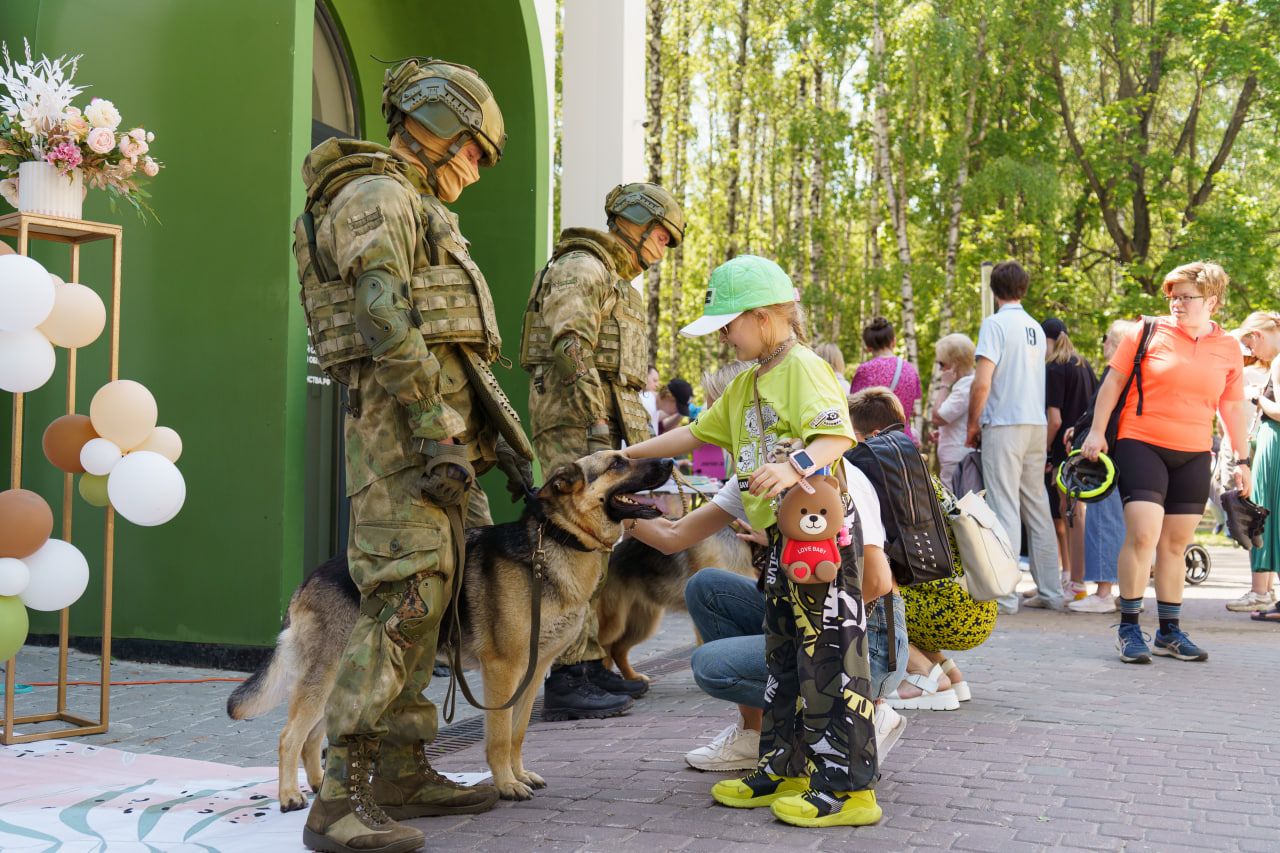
449,100
648,205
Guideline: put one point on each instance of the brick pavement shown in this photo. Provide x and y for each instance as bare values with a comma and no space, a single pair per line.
1062,747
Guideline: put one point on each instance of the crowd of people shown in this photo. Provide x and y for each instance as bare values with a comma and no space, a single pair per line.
1015,406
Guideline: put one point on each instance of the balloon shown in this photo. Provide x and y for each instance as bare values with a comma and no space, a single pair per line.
99,456
93,488
13,623
26,293
164,441
59,574
6,249
26,360
77,319
146,488
26,522
14,576
57,282
123,411
63,440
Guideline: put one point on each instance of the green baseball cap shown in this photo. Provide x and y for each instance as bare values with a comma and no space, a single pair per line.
746,282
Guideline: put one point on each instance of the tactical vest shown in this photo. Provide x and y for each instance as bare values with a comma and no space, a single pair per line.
622,345
450,298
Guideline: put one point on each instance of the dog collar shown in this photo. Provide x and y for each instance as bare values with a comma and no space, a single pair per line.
564,537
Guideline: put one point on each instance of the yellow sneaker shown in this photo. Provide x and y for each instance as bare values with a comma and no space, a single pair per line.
758,789
814,808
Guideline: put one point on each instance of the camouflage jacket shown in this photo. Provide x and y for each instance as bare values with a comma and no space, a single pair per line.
419,388
578,293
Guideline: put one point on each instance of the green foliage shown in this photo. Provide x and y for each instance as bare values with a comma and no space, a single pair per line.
1152,91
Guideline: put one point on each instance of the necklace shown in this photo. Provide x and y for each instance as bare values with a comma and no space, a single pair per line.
782,347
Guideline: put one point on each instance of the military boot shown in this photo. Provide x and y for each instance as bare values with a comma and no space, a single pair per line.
607,679
570,694
345,818
406,786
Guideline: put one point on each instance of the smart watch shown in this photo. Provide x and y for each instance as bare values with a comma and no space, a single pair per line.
804,465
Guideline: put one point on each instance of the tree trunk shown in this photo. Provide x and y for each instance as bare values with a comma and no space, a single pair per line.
874,222
653,127
817,230
735,126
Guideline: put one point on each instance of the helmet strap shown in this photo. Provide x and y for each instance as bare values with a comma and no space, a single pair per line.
432,166
634,245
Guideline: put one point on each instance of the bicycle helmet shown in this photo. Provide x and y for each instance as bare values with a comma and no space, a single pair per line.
1085,480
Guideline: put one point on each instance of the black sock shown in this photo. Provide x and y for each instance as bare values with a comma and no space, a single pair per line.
1169,615
1129,610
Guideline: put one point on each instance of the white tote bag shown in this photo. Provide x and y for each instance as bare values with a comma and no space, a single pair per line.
990,566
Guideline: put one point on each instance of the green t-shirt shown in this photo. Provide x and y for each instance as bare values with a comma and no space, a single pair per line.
800,398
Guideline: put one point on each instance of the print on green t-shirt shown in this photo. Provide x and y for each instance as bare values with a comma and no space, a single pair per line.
800,398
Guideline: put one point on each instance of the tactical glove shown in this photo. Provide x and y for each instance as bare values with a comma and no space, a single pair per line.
447,475
599,438
519,471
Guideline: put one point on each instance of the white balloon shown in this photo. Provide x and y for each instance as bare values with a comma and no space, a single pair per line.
14,576
146,488
26,359
59,574
26,293
99,456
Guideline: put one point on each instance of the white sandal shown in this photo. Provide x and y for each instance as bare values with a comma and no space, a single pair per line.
931,699
948,666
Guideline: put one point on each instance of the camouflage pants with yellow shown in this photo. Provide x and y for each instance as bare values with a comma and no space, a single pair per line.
558,446
401,557
818,720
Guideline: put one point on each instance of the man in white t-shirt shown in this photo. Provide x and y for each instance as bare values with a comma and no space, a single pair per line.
1007,419
728,611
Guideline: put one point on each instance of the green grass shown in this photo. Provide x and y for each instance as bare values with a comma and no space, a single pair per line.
1208,537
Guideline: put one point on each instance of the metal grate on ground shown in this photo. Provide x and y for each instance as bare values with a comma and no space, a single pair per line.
470,732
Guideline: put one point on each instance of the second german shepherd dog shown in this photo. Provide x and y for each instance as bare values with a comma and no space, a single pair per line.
584,505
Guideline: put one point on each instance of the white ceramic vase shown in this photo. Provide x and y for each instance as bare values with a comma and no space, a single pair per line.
42,190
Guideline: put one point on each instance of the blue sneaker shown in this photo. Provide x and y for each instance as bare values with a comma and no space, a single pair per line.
1176,644
1133,645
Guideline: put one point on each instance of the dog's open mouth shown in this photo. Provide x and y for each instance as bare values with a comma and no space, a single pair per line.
624,502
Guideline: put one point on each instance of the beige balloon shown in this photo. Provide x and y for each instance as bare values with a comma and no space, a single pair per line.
164,441
57,280
6,249
123,412
77,318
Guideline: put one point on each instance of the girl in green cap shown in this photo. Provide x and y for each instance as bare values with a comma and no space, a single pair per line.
784,420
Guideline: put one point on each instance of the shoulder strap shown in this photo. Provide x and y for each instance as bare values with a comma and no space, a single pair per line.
897,373
1148,330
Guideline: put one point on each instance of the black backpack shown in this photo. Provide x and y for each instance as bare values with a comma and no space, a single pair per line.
916,540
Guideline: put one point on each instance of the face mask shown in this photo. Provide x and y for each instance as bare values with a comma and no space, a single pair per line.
451,178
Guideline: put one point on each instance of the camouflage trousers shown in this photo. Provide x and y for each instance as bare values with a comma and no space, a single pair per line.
558,446
401,557
818,720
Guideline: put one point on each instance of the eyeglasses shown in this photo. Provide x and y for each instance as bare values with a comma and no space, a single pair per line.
1175,298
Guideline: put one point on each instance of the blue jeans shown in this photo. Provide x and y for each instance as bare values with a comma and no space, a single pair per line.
1104,534
728,612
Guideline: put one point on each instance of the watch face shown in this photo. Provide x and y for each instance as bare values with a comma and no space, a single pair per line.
803,459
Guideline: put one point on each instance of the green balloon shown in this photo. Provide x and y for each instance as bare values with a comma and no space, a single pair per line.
93,488
13,625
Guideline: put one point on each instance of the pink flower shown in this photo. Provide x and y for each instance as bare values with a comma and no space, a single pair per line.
66,156
150,167
9,191
75,123
132,146
101,140
127,166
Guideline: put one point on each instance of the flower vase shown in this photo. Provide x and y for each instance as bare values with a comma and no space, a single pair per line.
41,189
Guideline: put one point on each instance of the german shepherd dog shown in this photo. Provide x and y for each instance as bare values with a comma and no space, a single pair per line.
643,584
583,504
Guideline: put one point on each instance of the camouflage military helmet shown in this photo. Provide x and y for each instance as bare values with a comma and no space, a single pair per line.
449,100
646,204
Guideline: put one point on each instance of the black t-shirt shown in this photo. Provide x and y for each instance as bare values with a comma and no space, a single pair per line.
1070,387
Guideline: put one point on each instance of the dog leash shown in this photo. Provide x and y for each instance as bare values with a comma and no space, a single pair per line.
456,678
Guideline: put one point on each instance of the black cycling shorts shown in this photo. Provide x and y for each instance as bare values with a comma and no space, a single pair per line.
1178,480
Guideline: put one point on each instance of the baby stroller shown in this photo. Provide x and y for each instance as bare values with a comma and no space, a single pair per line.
1198,563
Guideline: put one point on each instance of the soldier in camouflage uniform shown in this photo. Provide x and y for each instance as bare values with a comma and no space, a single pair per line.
585,345
400,314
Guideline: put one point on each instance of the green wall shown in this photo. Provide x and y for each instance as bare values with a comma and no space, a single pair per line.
210,317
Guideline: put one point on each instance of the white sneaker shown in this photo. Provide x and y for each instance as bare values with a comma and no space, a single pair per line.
1036,601
735,748
1093,604
889,727
1251,601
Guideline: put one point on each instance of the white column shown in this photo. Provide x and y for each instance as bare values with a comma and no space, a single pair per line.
546,13
604,105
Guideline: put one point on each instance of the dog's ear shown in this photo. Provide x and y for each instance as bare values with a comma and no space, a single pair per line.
564,480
